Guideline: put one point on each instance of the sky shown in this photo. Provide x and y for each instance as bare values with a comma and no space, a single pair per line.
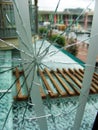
51,4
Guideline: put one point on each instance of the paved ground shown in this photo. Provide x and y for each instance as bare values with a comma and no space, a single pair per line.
82,52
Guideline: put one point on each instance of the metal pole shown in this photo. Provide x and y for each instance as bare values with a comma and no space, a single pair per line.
89,70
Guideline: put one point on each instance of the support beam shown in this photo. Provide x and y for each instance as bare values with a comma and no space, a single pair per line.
89,70
22,19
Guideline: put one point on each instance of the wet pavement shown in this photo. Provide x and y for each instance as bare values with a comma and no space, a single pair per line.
82,52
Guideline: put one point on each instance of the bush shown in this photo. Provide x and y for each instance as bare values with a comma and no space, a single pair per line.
60,40
42,31
72,49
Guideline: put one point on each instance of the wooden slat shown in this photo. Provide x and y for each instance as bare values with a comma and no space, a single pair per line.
68,81
63,84
93,85
77,75
73,78
55,84
82,71
95,74
95,77
21,72
21,98
43,95
18,86
92,89
95,81
19,95
51,93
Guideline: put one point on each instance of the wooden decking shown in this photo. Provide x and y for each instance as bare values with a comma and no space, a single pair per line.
59,83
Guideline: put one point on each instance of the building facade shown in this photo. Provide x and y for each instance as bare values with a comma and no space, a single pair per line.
7,19
67,17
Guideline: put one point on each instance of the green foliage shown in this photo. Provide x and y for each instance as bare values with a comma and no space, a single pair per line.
72,49
42,31
58,39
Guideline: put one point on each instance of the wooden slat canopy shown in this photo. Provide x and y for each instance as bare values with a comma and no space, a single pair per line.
58,83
